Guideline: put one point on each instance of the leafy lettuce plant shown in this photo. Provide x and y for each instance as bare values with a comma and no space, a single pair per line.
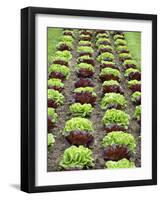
102,46
137,113
112,98
85,66
120,138
130,62
120,48
106,56
55,82
83,57
107,62
66,38
81,110
55,96
85,49
85,89
51,140
135,95
102,35
110,82
77,158
82,35
83,43
133,82
60,69
118,36
130,70
123,163
120,42
85,32
114,116
66,54
86,59
71,32
52,114
69,44
60,58
125,56
77,124
102,40
110,71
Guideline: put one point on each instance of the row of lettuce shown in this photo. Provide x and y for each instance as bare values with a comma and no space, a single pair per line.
78,130
118,145
58,73
131,72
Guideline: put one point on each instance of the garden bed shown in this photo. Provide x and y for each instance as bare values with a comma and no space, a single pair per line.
56,152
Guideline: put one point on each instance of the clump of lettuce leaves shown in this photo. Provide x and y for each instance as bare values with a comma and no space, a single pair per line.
81,110
77,158
112,98
114,116
123,163
77,124
120,138
55,96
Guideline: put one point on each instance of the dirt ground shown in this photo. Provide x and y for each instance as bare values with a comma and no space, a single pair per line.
56,153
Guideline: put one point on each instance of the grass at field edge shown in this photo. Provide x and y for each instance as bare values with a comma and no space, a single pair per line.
134,43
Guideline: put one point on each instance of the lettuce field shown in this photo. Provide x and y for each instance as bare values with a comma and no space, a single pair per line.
94,99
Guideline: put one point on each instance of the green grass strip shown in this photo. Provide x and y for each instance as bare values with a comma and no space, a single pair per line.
134,43
54,35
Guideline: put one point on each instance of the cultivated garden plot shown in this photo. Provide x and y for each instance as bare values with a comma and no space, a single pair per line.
94,99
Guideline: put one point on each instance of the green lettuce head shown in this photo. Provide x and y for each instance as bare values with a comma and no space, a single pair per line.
125,56
83,42
130,70
110,82
52,114
130,62
118,36
55,96
67,38
85,66
123,163
102,35
110,71
86,49
120,42
135,95
69,44
137,113
77,124
106,56
114,116
101,40
113,98
81,110
51,140
77,158
133,82
60,68
66,54
55,82
85,89
120,138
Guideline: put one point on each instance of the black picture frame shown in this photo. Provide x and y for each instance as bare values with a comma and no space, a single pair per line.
28,99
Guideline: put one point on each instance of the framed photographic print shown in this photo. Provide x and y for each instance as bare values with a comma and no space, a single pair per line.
88,99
